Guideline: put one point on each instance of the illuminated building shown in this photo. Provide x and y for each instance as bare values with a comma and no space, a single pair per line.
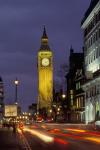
45,74
1,97
91,28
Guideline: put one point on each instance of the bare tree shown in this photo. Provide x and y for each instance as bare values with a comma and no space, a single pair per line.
62,73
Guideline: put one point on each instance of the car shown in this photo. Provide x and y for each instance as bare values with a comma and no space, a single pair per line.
49,120
39,119
60,119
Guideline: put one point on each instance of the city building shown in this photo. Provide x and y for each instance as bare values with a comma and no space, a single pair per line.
32,109
59,106
75,98
91,28
1,98
79,93
45,74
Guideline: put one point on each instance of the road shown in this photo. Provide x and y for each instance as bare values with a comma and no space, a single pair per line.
60,137
49,137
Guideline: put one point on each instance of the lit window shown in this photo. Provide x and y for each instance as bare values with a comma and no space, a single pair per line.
71,91
71,102
79,85
77,103
71,96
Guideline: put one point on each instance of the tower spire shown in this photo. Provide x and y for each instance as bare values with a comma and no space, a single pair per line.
44,33
71,50
44,40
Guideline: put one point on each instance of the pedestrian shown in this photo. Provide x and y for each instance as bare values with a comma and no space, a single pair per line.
14,128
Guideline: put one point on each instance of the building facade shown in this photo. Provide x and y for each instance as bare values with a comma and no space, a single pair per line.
75,95
91,28
79,93
45,74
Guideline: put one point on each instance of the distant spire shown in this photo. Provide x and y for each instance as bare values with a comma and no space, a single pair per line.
0,79
92,1
44,41
44,33
71,49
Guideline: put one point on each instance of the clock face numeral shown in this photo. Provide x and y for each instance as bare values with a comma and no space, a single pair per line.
45,62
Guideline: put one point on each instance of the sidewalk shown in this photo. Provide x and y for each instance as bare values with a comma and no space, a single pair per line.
9,140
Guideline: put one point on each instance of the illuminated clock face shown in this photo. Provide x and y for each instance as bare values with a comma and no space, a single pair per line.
45,62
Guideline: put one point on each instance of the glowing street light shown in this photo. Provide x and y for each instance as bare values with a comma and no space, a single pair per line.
58,109
63,95
16,88
50,110
16,82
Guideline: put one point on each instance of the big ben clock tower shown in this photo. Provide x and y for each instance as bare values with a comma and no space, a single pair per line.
45,74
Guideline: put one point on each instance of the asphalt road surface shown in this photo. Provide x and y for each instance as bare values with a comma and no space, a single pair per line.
42,137
49,137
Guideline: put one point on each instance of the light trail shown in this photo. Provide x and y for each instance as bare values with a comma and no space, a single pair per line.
61,141
93,139
77,130
43,126
57,132
43,137
80,136
84,132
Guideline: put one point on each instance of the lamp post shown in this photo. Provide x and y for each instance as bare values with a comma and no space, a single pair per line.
63,106
16,92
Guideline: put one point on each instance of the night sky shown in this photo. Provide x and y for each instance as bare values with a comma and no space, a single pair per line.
21,28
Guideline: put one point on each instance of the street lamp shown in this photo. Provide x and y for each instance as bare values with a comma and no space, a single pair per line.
16,87
58,109
50,110
63,95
